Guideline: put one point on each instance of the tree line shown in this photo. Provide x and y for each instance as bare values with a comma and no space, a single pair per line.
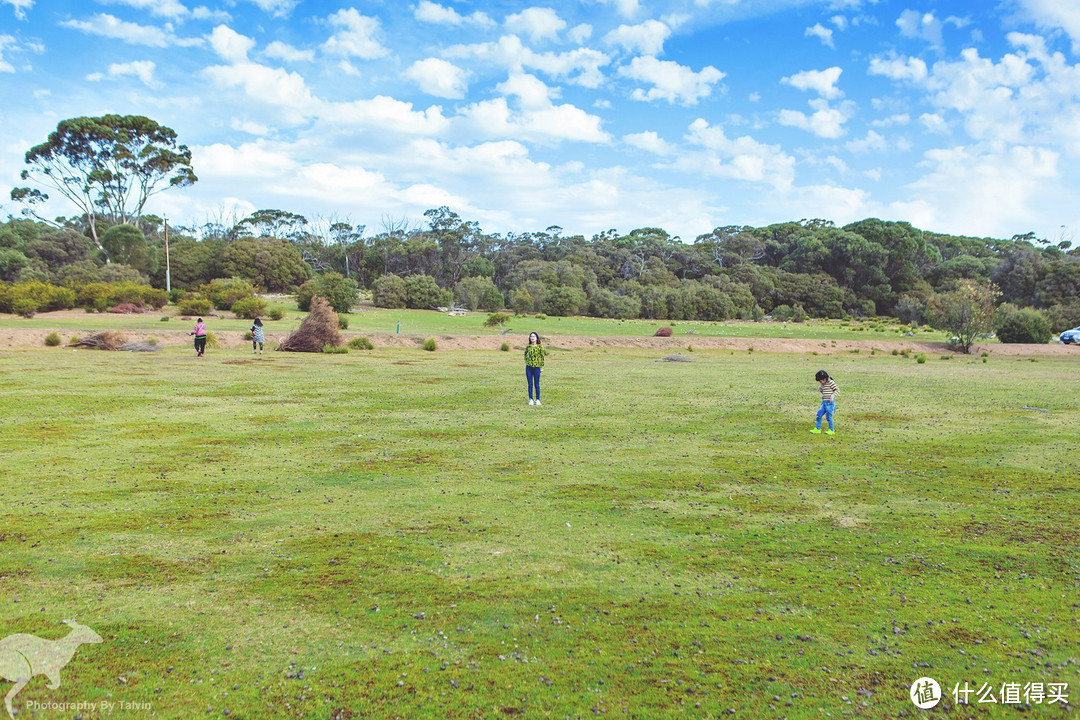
109,166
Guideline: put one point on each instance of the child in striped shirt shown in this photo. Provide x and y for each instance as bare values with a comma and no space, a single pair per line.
829,391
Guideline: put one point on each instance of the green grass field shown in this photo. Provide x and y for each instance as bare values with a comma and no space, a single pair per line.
430,322
398,534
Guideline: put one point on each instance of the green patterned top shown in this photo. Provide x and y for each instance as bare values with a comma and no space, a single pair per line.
534,355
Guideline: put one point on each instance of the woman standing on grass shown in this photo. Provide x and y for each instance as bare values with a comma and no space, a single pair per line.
257,336
534,362
200,337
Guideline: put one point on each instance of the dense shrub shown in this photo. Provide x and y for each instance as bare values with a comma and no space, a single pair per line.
497,319
52,339
389,292
479,293
335,349
35,296
361,343
422,292
194,305
564,301
275,313
341,292
224,293
342,322
430,345
249,307
1022,325
304,293
505,347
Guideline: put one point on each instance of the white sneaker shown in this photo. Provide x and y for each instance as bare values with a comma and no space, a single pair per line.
537,402
531,401
252,352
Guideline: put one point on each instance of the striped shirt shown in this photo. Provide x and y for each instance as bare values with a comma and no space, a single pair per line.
257,333
829,391
534,355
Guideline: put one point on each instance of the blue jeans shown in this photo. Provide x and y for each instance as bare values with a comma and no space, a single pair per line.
532,376
827,409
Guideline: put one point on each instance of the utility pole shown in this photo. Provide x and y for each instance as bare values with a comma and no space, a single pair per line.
168,278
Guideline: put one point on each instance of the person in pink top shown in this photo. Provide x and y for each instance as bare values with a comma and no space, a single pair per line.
200,337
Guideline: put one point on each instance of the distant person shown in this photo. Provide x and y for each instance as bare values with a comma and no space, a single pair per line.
257,336
200,337
534,363
829,390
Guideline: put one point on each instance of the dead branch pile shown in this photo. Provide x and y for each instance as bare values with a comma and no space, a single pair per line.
139,347
676,358
108,340
319,329
127,308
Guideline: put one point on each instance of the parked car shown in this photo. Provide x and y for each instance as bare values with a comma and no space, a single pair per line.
1070,337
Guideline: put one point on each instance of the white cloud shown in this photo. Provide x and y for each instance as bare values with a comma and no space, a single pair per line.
899,68
825,121
580,66
249,127
625,8
537,23
671,81
646,39
439,78
1051,14
356,35
840,21
204,13
822,33
649,141
164,8
273,89
926,26
429,12
277,8
579,33
283,51
987,192
822,82
20,6
538,119
873,142
110,26
739,159
898,119
256,159
230,45
348,68
934,123
141,69
6,41
386,113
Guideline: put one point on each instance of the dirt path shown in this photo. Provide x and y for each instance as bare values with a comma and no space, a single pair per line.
20,337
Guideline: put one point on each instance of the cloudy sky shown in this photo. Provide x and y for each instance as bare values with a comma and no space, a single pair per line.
960,117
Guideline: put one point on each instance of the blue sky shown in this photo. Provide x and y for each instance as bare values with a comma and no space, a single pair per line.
960,117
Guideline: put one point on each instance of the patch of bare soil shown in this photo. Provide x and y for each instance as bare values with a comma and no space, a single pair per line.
27,337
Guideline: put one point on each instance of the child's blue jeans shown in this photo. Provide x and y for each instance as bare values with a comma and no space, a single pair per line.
827,409
532,376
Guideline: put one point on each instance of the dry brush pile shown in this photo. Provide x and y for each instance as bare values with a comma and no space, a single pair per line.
319,329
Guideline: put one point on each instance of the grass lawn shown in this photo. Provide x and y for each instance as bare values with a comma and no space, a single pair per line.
430,322
398,534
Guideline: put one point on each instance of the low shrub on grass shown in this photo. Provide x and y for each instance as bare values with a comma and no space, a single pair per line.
212,340
335,349
193,305
342,322
52,339
247,336
25,306
920,358
430,345
361,343
497,319
249,307
164,318
505,347
275,314
895,351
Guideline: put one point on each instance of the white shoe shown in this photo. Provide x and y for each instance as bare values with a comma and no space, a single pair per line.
537,402
252,352
531,401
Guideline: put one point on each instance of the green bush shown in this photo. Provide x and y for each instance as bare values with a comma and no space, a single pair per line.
920,358
249,308
479,293
176,295
341,292
505,347
195,306
26,307
361,343
497,319
335,349
430,345
304,293
342,322
212,340
275,314
52,339
895,351
226,292
1022,325
247,336
389,292
422,292
164,318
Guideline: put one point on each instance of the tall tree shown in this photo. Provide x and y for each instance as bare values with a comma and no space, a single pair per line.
107,166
